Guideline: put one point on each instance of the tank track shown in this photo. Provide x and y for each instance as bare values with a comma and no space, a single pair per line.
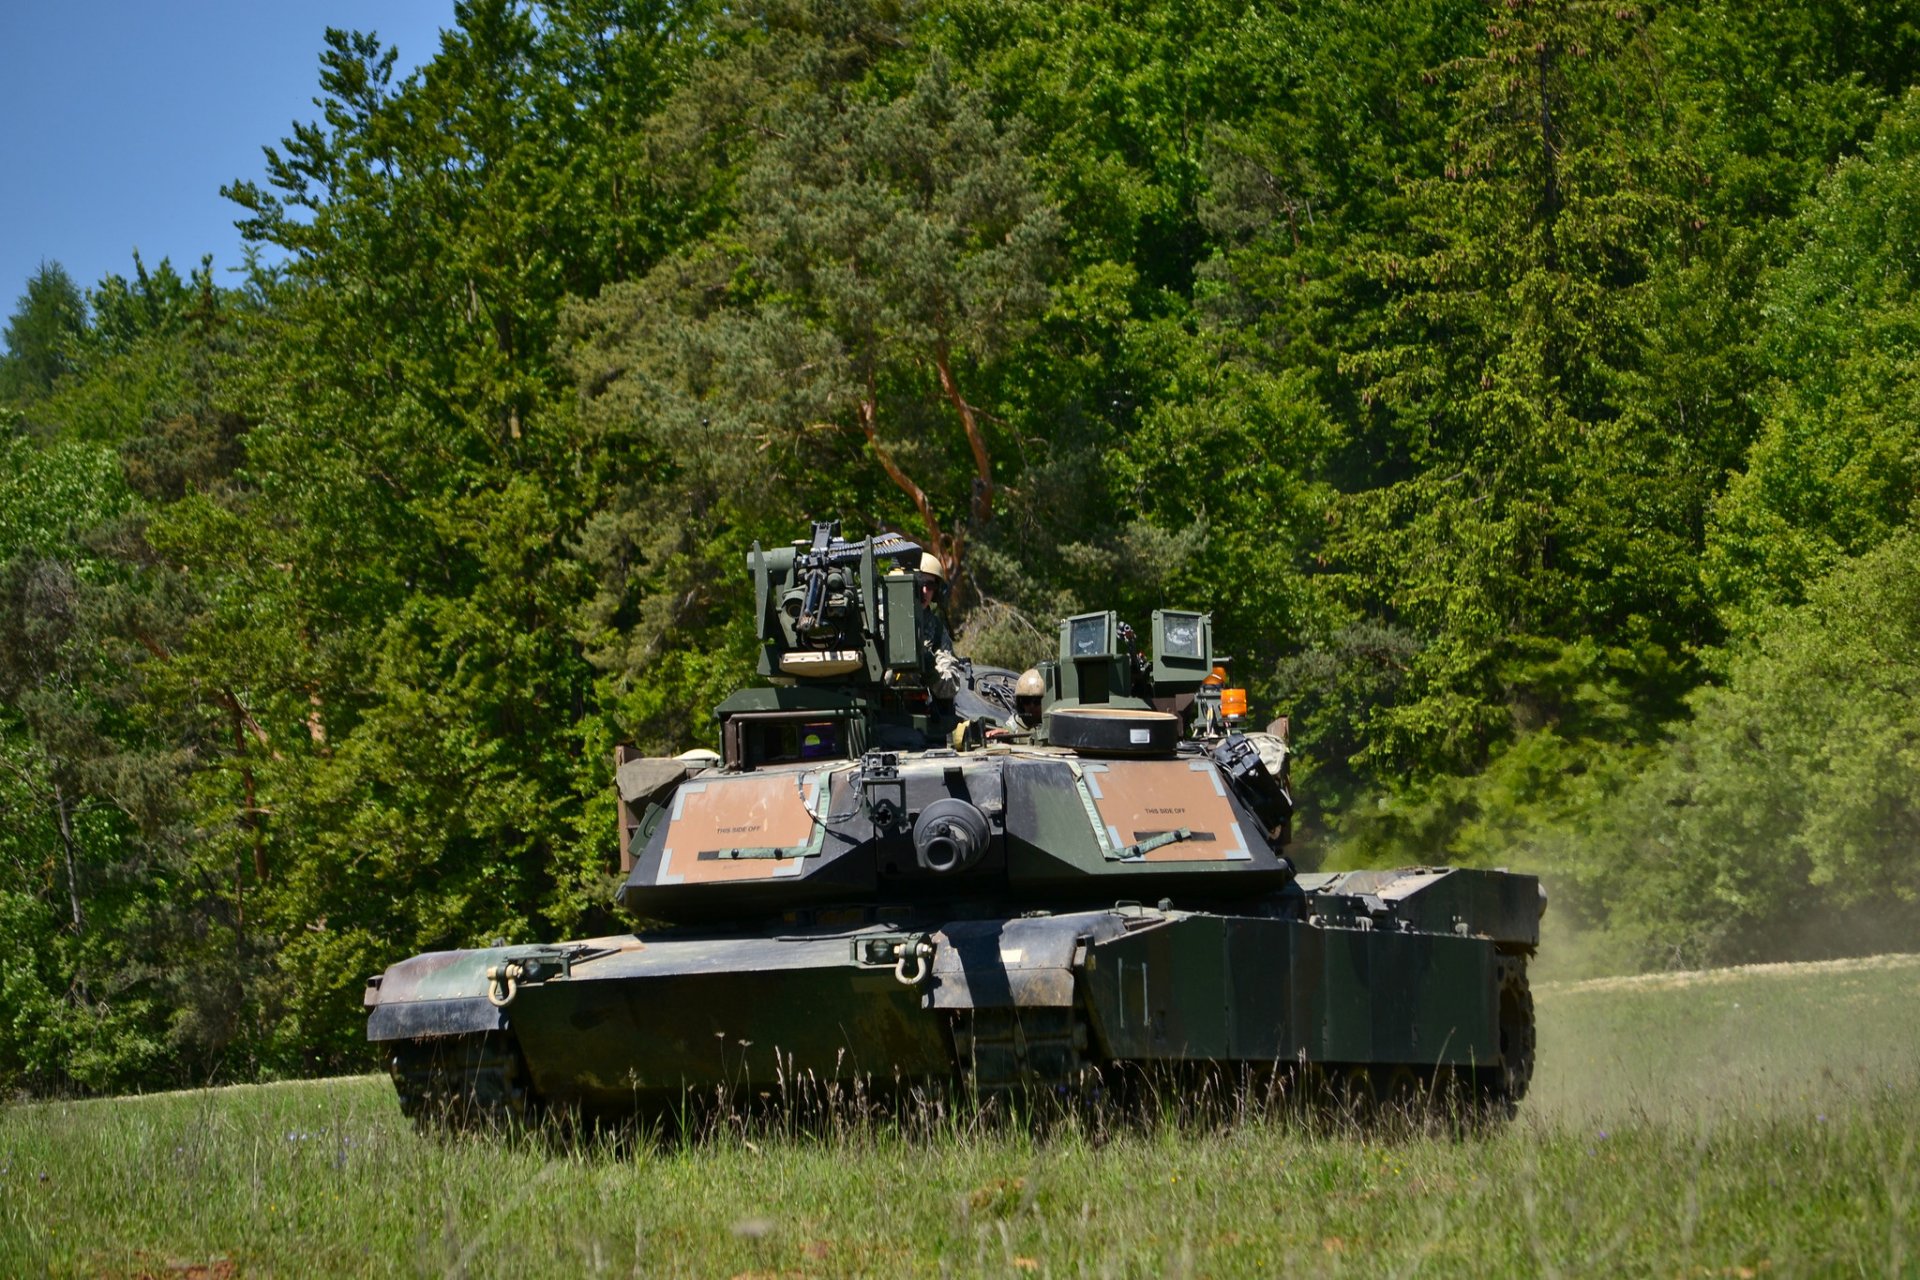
1508,1083
1007,1051
480,1082
470,1082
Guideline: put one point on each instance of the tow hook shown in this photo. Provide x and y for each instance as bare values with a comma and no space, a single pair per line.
503,982
912,953
909,956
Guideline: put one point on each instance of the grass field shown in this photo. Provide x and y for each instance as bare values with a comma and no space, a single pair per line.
1738,1123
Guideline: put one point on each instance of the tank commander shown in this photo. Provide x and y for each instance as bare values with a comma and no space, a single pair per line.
931,586
1028,692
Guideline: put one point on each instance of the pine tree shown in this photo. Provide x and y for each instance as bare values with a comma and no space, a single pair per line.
891,251
47,322
1522,309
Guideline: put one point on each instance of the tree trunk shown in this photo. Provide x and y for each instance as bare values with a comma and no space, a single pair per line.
63,815
942,544
982,505
251,814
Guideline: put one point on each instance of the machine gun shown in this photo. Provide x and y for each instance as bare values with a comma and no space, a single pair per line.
831,608
839,632
818,602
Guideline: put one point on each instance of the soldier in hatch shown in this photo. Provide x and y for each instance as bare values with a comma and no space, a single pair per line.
1028,693
931,585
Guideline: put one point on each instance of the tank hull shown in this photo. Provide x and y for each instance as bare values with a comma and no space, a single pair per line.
633,1026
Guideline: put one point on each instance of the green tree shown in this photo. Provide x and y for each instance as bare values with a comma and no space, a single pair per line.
1541,494
49,318
889,256
1780,819
1114,105
394,594
152,303
1835,468
1776,94
87,795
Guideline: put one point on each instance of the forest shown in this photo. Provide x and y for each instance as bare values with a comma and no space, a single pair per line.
1528,388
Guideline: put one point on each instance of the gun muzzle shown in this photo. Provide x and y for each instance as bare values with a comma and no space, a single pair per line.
951,835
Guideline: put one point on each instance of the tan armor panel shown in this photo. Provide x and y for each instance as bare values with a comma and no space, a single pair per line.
1138,800
755,827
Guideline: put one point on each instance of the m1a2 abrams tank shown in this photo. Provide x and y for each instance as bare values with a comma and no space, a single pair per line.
863,886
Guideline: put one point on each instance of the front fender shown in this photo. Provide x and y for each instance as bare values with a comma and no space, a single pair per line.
441,993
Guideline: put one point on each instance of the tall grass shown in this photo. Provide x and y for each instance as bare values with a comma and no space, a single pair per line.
1759,1123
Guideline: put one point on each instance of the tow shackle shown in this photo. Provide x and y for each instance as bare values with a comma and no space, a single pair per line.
503,982
914,962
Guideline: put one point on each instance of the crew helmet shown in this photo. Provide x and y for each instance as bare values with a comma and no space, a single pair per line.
1028,693
932,566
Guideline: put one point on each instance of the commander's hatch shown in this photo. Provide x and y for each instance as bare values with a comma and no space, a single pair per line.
830,609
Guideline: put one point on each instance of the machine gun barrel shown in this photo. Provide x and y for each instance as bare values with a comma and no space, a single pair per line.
814,563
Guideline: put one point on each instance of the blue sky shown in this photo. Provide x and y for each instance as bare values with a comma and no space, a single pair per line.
120,120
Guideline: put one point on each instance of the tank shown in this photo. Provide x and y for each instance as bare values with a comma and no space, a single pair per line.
871,889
